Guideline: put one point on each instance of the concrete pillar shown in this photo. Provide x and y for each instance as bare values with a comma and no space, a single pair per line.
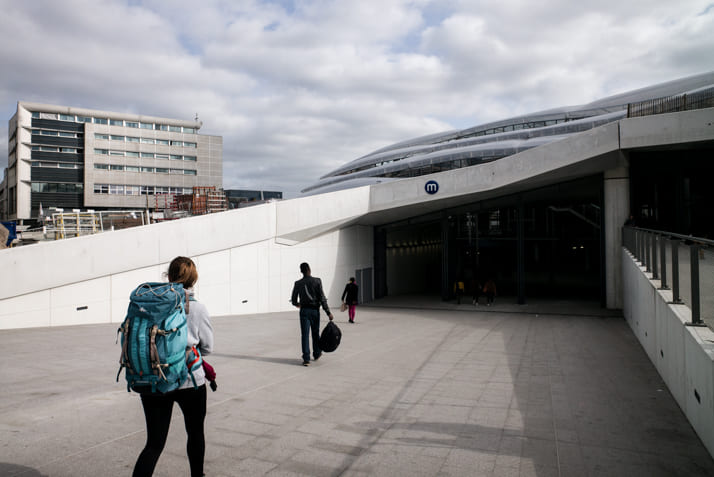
616,190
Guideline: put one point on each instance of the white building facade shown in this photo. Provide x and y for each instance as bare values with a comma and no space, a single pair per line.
73,158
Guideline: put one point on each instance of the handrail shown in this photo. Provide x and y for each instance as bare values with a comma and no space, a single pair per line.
690,238
649,247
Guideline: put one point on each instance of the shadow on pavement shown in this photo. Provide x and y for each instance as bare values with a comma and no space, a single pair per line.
19,471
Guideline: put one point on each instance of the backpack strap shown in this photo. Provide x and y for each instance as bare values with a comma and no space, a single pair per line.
156,364
124,358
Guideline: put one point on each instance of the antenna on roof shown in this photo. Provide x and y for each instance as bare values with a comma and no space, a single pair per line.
200,123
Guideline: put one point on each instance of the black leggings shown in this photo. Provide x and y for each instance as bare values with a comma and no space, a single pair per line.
157,410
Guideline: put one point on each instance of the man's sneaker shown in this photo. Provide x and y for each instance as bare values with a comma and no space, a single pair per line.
306,363
317,357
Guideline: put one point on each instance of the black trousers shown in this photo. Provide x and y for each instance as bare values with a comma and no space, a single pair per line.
157,411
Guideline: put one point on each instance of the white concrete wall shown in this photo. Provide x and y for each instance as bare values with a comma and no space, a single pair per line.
241,264
616,210
683,355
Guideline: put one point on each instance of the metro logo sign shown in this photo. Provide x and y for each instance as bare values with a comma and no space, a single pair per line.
431,187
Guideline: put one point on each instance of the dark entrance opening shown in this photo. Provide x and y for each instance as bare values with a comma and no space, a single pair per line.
544,243
671,190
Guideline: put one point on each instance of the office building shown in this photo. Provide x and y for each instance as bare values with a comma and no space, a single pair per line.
75,158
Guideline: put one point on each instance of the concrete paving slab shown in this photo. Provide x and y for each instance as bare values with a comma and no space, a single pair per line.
417,387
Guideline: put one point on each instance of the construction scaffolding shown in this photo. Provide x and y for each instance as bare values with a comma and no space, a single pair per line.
203,200
77,223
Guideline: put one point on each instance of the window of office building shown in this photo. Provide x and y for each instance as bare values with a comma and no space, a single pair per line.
56,187
116,122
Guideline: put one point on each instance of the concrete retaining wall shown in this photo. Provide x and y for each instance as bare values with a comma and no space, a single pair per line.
243,267
683,355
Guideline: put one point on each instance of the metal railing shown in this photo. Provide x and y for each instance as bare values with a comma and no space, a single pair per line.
683,102
682,263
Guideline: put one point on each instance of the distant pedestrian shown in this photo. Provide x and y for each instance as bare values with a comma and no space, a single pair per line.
190,398
475,291
309,296
349,297
458,290
489,289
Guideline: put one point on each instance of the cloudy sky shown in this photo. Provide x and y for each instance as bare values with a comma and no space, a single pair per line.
297,88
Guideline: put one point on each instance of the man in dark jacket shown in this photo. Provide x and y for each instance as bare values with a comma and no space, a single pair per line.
308,296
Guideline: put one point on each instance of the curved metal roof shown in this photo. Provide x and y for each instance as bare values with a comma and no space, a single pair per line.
494,140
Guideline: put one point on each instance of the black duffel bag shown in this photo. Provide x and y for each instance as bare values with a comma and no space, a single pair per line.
330,337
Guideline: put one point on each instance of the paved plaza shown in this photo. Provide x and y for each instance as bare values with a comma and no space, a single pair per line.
417,388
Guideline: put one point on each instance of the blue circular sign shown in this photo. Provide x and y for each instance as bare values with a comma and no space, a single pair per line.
431,187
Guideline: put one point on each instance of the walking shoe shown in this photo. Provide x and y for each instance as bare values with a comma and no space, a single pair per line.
317,357
306,363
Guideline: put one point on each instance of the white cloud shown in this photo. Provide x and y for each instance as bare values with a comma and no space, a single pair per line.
299,88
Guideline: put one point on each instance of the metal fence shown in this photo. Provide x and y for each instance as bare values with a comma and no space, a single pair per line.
682,263
683,102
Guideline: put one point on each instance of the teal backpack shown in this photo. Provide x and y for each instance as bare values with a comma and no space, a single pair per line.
154,338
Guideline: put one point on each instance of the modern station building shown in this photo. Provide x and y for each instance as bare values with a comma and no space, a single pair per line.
543,233
73,158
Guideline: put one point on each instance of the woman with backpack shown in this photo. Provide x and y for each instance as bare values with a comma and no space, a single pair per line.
190,396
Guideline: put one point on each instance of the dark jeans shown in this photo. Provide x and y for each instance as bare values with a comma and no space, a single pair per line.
157,411
310,324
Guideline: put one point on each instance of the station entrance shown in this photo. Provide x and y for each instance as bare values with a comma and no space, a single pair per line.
544,243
